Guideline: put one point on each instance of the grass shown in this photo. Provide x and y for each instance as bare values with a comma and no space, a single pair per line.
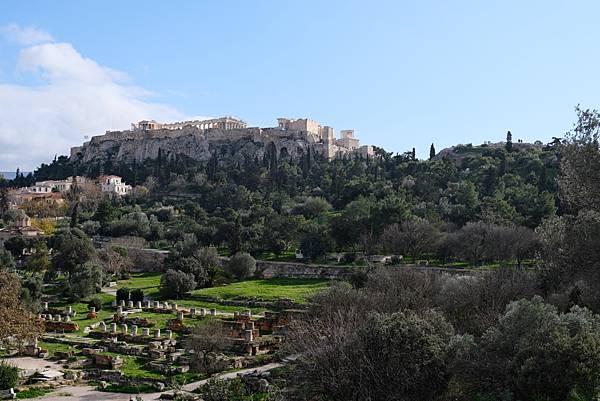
53,348
269,289
128,389
135,367
33,393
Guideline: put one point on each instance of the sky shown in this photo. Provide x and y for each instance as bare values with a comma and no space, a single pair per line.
403,74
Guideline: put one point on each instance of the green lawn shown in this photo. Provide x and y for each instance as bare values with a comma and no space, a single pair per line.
268,289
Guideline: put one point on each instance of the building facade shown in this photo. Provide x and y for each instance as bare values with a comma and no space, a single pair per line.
114,185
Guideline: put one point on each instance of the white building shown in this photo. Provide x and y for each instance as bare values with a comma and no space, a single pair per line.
113,185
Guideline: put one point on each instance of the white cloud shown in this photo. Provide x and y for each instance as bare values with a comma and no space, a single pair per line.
29,35
77,97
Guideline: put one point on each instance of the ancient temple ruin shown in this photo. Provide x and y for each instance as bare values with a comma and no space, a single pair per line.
228,138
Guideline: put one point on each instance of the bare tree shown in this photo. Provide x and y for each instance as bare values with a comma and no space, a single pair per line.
412,237
205,341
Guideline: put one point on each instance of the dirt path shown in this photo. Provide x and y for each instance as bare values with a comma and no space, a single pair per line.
87,393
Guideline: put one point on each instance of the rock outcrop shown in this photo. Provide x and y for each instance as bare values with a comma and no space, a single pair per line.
234,145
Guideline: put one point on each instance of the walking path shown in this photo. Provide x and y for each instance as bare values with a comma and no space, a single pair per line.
87,393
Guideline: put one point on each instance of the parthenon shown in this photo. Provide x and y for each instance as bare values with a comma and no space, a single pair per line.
227,122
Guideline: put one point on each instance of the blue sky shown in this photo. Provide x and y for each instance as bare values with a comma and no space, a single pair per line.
400,73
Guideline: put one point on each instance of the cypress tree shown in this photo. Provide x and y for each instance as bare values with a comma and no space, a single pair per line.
509,144
431,152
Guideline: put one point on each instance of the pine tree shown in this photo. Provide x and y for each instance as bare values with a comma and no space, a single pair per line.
431,152
509,144
413,154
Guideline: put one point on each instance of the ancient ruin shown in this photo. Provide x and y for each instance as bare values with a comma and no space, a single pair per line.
225,138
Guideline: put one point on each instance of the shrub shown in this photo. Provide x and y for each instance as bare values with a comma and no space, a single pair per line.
123,294
8,376
136,295
240,266
95,302
32,393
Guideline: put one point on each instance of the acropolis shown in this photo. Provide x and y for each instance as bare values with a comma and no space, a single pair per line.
200,139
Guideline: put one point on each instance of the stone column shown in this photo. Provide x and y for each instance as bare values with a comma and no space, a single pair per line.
250,326
69,309
213,312
202,311
180,315
169,334
145,331
249,312
130,304
248,336
148,303
193,312
49,316
119,310
174,307
102,326
138,305
122,303
57,318
134,330
166,305
156,304
67,318
113,327
45,305
157,333
124,328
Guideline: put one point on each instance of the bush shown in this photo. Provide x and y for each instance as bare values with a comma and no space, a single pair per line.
95,302
349,257
175,283
136,295
123,294
32,393
8,376
240,266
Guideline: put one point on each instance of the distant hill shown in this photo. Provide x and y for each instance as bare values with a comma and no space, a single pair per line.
459,153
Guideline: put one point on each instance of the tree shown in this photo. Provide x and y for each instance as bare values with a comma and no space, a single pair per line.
315,242
398,356
71,249
240,266
536,353
509,144
204,341
580,164
16,323
40,260
114,260
210,262
411,237
85,280
175,283
313,207
472,241
431,152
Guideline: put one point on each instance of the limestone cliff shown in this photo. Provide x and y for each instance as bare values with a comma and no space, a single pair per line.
233,145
